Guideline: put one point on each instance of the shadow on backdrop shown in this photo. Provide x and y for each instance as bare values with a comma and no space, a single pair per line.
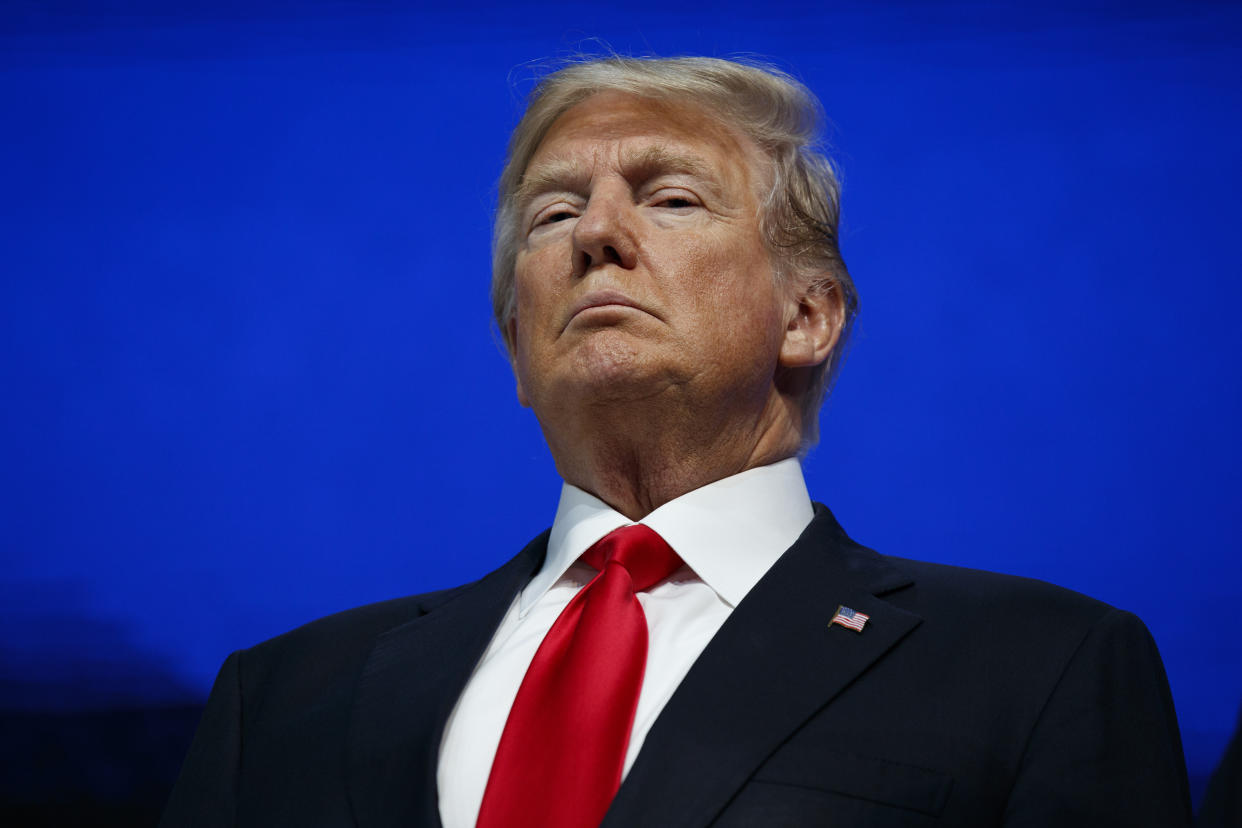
94,726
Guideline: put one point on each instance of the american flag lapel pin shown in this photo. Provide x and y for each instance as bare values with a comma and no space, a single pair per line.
847,617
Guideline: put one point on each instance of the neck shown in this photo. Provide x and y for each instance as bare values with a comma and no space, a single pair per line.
637,458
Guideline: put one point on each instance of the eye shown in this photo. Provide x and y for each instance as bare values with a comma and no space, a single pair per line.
674,200
553,214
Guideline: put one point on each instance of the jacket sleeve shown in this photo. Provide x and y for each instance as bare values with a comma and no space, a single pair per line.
205,795
1106,750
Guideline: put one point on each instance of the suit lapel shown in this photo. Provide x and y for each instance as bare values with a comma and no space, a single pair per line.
773,664
408,688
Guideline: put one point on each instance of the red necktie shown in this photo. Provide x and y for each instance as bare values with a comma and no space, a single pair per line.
563,748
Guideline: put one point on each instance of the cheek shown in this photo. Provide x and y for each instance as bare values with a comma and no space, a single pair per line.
536,285
732,282
526,298
694,268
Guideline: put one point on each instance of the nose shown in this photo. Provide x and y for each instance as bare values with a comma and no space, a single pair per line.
605,232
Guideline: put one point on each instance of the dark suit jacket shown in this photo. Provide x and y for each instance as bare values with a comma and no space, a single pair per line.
969,699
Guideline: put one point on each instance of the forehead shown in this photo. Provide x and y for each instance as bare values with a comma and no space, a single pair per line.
619,128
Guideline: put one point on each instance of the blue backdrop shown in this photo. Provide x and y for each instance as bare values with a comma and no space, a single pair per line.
247,371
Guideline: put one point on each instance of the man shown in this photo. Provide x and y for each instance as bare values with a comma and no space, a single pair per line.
667,280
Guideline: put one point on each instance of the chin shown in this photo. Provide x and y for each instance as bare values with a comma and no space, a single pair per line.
607,365
618,373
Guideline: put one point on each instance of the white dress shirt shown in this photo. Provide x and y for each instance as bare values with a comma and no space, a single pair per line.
728,534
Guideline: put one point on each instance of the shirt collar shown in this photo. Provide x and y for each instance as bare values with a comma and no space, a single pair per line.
729,532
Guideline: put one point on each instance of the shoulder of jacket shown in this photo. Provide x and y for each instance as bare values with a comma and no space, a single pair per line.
996,594
361,624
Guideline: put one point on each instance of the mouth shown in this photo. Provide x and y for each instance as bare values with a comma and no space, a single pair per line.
601,299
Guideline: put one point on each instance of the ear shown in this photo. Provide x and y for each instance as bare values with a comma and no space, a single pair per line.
511,343
816,317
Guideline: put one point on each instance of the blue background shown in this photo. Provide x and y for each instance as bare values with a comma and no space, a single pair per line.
248,377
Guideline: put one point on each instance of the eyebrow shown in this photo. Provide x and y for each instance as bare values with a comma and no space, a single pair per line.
562,174
657,160
554,175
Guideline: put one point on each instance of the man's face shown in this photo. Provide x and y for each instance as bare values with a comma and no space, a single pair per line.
641,270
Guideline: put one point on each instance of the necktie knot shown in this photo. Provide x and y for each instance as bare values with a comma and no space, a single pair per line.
640,549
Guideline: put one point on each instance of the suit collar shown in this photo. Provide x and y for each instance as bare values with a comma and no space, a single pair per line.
773,664
408,687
